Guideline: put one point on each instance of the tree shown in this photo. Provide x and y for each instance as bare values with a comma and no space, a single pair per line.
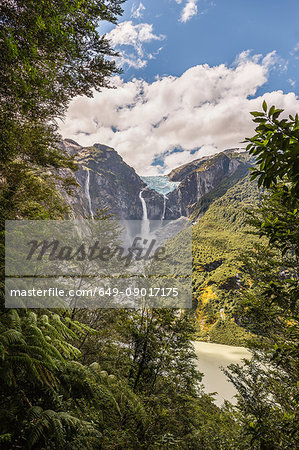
275,268
276,148
48,399
151,350
267,386
51,51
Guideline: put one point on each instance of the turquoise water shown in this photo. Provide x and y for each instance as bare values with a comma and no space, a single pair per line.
161,184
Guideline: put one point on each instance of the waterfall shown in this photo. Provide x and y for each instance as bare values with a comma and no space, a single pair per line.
145,225
87,193
164,208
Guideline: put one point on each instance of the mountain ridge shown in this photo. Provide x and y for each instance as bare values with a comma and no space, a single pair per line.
109,183
106,182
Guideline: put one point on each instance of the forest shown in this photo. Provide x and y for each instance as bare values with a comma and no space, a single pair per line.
126,379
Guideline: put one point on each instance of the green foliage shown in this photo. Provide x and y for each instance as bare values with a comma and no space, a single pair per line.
32,346
267,404
49,400
51,51
219,237
227,332
274,268
151,350
141,389
276,148
268,386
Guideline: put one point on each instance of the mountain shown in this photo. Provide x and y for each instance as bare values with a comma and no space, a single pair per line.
106,181
219,239
201,177
180,173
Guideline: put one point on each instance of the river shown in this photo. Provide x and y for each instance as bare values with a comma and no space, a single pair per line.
210,358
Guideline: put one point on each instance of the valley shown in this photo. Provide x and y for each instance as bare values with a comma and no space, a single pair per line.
211,192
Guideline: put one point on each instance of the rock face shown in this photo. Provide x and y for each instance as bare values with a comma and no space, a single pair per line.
106,181
181,172
197,179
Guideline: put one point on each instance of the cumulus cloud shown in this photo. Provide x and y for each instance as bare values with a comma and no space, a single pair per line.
137,12
135,36
190,10
176,119
177,158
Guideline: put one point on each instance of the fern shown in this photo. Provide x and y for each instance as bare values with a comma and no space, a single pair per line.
58,401
5,438
49,425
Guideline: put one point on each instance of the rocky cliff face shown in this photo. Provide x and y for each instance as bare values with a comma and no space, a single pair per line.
106,181
197,179
181,172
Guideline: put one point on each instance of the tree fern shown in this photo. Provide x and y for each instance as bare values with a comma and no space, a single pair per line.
46,426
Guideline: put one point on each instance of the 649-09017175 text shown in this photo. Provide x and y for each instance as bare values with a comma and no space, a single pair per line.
102,291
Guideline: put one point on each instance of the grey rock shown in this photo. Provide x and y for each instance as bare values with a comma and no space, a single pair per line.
110,184
106,182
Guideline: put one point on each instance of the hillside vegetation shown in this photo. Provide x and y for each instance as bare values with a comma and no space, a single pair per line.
219,237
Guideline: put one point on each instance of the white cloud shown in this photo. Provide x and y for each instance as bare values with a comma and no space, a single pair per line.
295,51
190,10
206,109
132,60
135,36
178,158
137,12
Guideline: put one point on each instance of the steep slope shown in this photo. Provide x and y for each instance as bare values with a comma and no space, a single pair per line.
181,172
219,239
226,183
200,177
106,181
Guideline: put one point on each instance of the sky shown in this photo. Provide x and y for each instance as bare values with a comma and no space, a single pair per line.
192,72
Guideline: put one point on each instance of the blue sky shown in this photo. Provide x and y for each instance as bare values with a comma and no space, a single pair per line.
189,64
219,31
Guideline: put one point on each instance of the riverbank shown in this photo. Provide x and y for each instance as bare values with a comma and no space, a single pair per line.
226,332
